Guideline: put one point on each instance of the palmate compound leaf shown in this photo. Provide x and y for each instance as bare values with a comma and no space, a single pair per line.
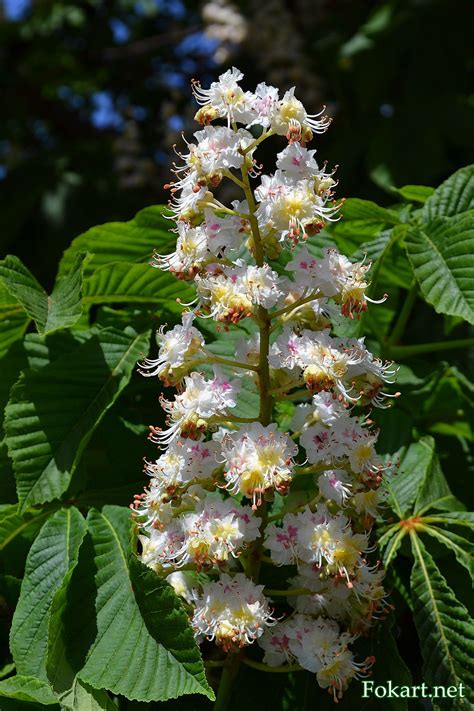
445,629
50,557
143,647
442,256
454,196
52,412
60,310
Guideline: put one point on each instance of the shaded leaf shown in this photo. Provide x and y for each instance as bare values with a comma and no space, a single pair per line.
454,196
53,412
60,310
125,657
419,479
442,257
357,209
13,524
28,688
135,283
13,319
132,241
445,629
462,548
52,554
414,193
84,698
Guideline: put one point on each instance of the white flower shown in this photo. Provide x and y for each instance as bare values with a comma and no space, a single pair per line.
247,350
183,583
262,285
200,400
280,643
191,250
217,149
282,541
290,117
335,485
222,233
235,292
291,206
297,161
176,347
257,459
232,611
332,543
223,296
285,351
264,102
317,442
182,462
162,546
328,408
226,98
329,597
191,198
216,530
305,268
367,501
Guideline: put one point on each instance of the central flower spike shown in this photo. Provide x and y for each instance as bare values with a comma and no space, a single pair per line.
293,479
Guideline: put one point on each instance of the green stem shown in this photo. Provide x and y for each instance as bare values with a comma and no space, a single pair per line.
226,684
254,144
231,363
253,562
375,275
284,669
399,352
288,593
296,305
404,315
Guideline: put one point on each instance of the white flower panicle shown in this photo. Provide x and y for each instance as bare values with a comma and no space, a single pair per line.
232,492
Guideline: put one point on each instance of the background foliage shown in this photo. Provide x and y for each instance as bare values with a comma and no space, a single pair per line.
102,89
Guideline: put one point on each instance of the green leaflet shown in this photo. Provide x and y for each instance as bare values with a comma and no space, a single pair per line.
129,655
414,193
130,283
52,412
60,310
52,554
420,483
84,698
28,688
442,256
132,241
12,524
462,548
357,209
445,629
454,196
13,319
